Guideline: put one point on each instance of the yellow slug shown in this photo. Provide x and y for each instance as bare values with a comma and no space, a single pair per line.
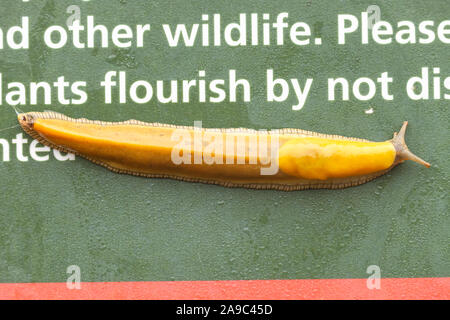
283,159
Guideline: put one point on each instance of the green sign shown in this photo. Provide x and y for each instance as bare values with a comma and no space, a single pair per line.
356,69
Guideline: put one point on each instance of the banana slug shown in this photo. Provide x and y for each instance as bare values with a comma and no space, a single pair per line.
282,159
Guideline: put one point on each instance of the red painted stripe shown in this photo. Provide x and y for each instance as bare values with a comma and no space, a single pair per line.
400,288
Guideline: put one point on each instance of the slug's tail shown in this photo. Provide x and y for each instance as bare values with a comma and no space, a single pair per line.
402,150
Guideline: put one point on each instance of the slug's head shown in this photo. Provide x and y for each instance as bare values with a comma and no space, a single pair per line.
26,120
402,150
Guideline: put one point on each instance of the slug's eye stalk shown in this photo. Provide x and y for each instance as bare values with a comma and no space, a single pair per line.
402,150
26,120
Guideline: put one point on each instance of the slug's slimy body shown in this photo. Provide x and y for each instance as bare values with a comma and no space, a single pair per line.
285,159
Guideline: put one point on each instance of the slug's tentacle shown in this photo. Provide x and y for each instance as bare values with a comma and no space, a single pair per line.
402,150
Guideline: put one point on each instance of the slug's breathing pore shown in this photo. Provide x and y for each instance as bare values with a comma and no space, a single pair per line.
283,159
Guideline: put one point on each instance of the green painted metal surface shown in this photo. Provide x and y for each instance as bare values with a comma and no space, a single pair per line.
122,228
